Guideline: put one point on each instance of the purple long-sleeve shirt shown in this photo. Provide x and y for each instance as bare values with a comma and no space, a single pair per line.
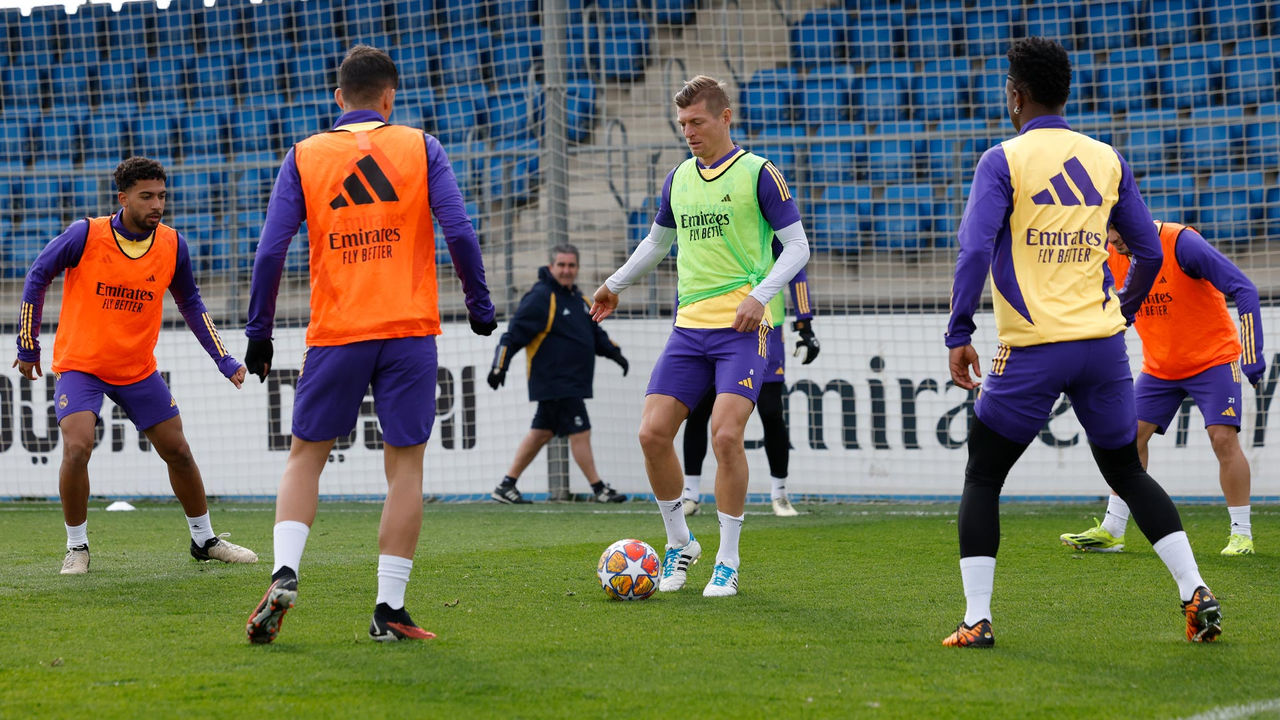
985,225
1202,261
65,251
287,210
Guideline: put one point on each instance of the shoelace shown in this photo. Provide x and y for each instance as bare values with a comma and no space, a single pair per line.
721,575
671,560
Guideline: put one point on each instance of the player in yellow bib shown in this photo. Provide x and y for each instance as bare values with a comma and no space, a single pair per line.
723,206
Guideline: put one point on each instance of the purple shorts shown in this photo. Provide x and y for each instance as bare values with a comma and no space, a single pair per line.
775,363
334,379
696,359
1216,392
1022,385
147,402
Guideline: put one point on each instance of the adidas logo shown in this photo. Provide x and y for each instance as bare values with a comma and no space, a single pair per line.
725,198
1229,412
566,311
746,384
151,278
1162,280
354,188
1065,194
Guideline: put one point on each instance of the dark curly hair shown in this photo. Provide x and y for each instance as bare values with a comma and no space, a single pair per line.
137,168
1040,67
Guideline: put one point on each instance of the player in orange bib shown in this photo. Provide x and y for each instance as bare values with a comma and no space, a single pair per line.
117,270
1190,346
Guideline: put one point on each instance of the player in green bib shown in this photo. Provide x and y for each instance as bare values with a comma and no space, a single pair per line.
724,207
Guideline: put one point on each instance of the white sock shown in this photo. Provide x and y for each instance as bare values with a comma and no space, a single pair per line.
1175,550
673,518
77,535
201,529
290,540
1117,518
779,489
693,487
730,530
978,574
1240,524
393,576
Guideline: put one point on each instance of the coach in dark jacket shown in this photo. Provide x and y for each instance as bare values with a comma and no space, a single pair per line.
561,342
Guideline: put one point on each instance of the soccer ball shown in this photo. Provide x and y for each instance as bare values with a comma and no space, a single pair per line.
628,570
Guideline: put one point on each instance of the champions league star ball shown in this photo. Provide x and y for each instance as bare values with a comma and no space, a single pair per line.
628,570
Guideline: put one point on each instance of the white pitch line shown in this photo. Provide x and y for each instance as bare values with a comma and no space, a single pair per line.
1237,711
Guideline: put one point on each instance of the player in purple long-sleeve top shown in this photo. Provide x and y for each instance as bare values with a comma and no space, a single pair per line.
370,193
1037,219
1190,346
117,269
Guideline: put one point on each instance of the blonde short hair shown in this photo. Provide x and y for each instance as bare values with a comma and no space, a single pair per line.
700,88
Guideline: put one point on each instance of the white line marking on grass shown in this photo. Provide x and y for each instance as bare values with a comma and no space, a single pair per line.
1237,711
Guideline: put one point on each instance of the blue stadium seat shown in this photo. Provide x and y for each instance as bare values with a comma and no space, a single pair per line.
580,115
166,82
515,114
939,92
511,59
931,34
91,195
1229,214
155,135
513,170
841,218
582,48
213,76
221,29
300,121
56,137
23,87
766,100
265,22
1211,148
899,224
29,238
174,30
822,100
1055,20
204,133
117,84
986,91
778,145
1196,51
1232,19
1249,80
297,261
940,160
364,19
311,72
1266,46
623,51
1124,82
459,12
988,31
674,12
415,58
14,138
252,185
262,73
43,195
456,119
459,62
314,22
1110,24
1150,150
510,15
880,99
887,160
196,190
1172,22
69,87
874,34
1262,143
254,130
1170,197
1187,83
10,265
105,138
818,38
832,162
467,163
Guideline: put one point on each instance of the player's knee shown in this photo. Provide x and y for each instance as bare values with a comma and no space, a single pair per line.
1225,441
177,455
654,438
725,440
1119,466
75,453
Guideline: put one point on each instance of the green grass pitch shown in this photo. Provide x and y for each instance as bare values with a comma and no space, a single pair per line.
841,614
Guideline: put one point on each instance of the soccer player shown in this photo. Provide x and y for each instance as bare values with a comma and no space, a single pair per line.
1190,346
723,206
777,440
561,343
117,269
369,192
1036,219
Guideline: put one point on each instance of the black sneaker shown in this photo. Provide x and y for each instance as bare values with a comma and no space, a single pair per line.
264,622
509,495
607,494
391,625
1204,616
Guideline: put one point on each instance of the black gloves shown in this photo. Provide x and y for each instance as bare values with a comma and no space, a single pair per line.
497,377
483,328
257,358
617,357
807,341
